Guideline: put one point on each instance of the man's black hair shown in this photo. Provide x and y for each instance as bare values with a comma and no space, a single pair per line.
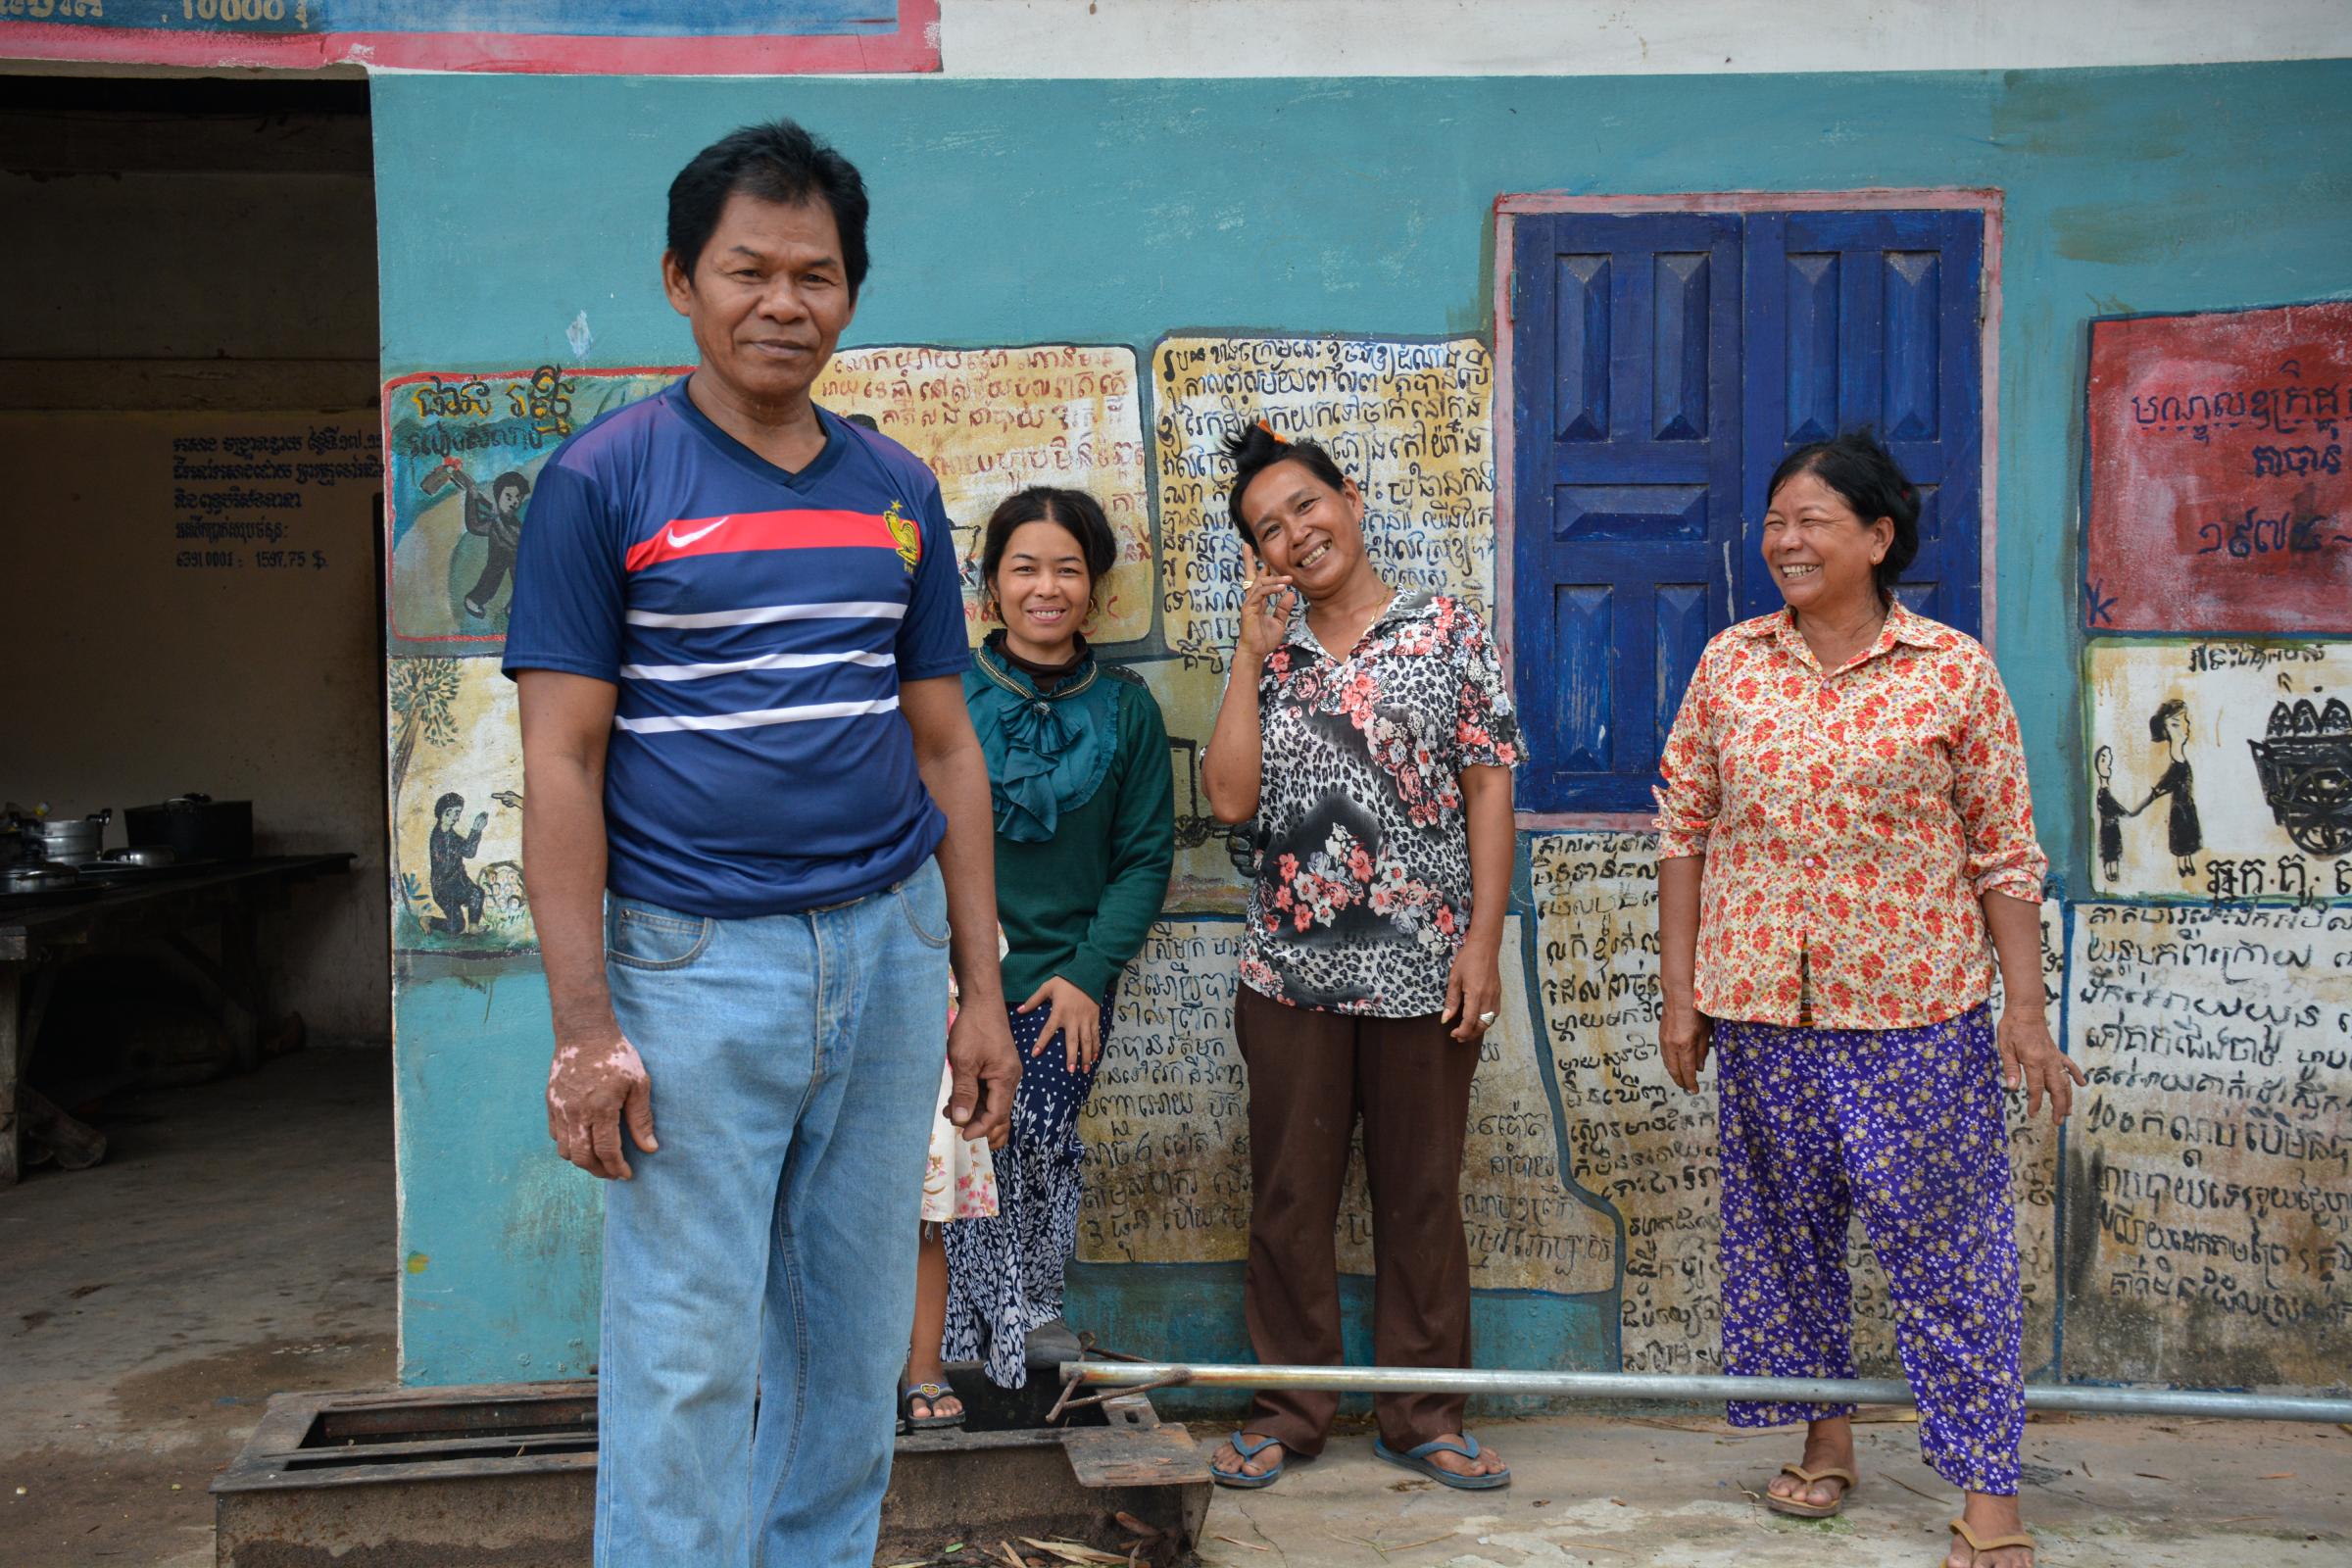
1867,478
1253,449
452,801
778,162
512,480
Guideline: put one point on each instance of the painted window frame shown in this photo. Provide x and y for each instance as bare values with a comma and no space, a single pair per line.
1509,208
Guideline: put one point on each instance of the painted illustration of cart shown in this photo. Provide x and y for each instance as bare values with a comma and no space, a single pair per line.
2306,767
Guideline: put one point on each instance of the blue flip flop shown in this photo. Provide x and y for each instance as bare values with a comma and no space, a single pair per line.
1243,1479
1418,1459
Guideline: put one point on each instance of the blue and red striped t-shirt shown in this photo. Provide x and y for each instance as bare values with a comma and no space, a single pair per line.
757,624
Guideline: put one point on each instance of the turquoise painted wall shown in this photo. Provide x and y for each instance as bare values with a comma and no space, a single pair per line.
1009,211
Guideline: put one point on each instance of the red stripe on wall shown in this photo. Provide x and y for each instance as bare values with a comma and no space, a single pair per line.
740,531
913,46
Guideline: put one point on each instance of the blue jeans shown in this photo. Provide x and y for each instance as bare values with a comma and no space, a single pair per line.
769,1245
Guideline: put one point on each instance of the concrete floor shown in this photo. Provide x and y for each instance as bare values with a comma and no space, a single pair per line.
238,1242
2101,1492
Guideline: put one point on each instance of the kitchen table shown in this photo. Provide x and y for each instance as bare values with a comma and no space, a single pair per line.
36,940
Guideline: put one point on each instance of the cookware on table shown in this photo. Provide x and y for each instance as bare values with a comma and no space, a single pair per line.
194,827
68,839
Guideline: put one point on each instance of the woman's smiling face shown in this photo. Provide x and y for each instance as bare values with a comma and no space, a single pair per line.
1043,591
1304,528
1820,553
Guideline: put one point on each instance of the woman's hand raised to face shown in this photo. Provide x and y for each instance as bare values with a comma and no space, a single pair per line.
1265,611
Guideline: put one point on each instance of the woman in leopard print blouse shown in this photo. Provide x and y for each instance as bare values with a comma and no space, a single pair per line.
1368,734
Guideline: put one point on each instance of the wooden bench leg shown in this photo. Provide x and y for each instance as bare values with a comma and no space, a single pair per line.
241,957
14,1048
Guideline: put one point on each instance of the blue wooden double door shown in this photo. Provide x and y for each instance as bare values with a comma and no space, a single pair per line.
1664,363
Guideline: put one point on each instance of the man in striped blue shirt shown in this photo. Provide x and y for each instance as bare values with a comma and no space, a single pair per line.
739,637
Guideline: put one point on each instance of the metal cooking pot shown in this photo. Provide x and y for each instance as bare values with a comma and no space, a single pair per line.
146,854
71,840
196,827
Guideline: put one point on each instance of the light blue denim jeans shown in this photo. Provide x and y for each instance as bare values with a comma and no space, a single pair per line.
769,1244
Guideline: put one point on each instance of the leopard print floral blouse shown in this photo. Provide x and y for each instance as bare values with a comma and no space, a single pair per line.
1361,855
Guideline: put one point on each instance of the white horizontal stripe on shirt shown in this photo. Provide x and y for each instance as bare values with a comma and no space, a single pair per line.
768,615
756,720
736,667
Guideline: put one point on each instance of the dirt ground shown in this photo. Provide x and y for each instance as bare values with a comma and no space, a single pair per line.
238,1242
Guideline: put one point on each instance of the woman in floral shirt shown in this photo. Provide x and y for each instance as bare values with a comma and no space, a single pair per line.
1368,733
1845,821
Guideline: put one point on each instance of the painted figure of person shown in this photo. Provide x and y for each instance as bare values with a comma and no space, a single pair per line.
2112,812
492,514
446,855
497,519
756,831
1827,891
1086,839
2184,834
1369,733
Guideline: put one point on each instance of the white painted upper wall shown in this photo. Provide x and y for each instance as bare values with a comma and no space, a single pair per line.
1617,38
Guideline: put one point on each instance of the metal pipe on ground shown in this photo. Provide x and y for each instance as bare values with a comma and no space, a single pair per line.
2075,1397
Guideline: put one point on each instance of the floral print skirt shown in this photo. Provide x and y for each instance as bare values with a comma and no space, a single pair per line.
959,1182
1905,1126
1005,1275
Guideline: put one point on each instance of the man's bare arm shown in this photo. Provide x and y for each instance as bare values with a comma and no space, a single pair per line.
980,1045
596,1078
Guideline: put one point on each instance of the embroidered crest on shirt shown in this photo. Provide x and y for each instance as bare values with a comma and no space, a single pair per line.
906,534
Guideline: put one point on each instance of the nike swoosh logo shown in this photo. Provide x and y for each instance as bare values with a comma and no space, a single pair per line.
679,541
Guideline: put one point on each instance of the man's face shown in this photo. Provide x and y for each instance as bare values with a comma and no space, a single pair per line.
510,500
448,816
768,297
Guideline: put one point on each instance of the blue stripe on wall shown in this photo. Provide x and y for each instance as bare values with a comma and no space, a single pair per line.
1194,1310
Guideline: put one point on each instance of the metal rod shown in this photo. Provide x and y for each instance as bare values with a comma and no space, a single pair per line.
2076,1397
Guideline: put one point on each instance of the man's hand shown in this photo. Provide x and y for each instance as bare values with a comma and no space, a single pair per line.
1072,1014
2031,1060
1473,988
1683,1035
986,1069
592,1088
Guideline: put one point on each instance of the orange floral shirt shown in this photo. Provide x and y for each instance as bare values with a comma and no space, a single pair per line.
1850,820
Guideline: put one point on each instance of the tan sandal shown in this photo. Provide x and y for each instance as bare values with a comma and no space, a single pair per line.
1798,1508
1999,1543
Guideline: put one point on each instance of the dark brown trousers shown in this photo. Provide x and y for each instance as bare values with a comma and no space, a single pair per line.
1311,1075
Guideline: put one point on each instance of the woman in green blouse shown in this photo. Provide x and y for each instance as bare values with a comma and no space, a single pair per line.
1078,766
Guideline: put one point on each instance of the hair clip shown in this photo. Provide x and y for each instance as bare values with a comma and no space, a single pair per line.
1271,435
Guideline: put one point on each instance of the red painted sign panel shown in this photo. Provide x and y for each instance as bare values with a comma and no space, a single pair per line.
2220,499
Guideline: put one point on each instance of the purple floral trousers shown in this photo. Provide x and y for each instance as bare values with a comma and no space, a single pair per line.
1905,1125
